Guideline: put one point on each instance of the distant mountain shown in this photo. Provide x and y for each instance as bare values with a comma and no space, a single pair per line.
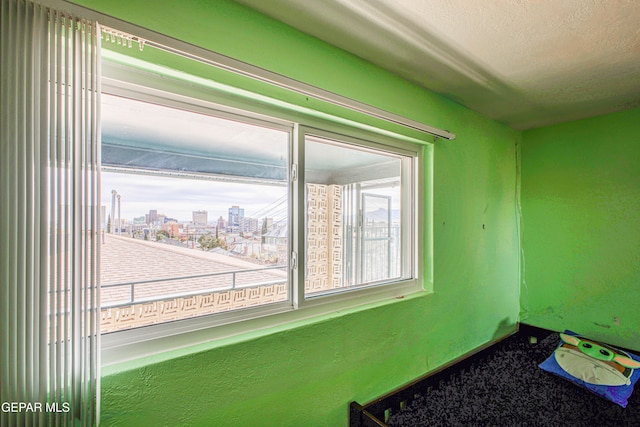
381,215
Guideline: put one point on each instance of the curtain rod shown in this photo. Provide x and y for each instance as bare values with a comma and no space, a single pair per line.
172,45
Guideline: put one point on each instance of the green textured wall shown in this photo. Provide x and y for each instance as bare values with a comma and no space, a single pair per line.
581,227
306,374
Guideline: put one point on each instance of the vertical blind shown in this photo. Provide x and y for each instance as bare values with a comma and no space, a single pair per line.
49,217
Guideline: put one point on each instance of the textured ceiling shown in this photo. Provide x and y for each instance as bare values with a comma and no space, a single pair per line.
527,63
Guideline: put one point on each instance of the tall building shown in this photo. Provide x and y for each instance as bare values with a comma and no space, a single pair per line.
236,213
248,225
221,223
151,217
200,217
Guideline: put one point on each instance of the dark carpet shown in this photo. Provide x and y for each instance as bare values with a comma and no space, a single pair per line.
507,388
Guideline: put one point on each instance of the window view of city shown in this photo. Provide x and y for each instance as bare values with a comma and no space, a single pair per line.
208,260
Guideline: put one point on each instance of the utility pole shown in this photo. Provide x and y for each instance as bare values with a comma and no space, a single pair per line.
119,218
113,208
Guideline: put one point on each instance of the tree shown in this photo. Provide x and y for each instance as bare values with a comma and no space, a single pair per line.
207,242
161,234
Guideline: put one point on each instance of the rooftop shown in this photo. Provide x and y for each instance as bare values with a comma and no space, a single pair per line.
138,275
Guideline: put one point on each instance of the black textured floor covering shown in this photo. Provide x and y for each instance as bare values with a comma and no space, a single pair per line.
507,388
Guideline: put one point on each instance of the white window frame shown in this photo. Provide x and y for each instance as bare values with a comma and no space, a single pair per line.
148,340
409,218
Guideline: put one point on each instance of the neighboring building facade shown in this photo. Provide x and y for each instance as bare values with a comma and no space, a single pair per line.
200,217
236,214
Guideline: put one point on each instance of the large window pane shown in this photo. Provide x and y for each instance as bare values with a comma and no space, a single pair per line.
195,214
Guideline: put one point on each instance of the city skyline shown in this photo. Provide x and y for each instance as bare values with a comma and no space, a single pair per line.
179,197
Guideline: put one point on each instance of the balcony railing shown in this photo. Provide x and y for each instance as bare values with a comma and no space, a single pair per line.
233,285
138,311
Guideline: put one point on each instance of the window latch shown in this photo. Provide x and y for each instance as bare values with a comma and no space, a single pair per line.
294,260
294,172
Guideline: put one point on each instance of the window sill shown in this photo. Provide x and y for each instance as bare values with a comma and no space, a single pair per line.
127,350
